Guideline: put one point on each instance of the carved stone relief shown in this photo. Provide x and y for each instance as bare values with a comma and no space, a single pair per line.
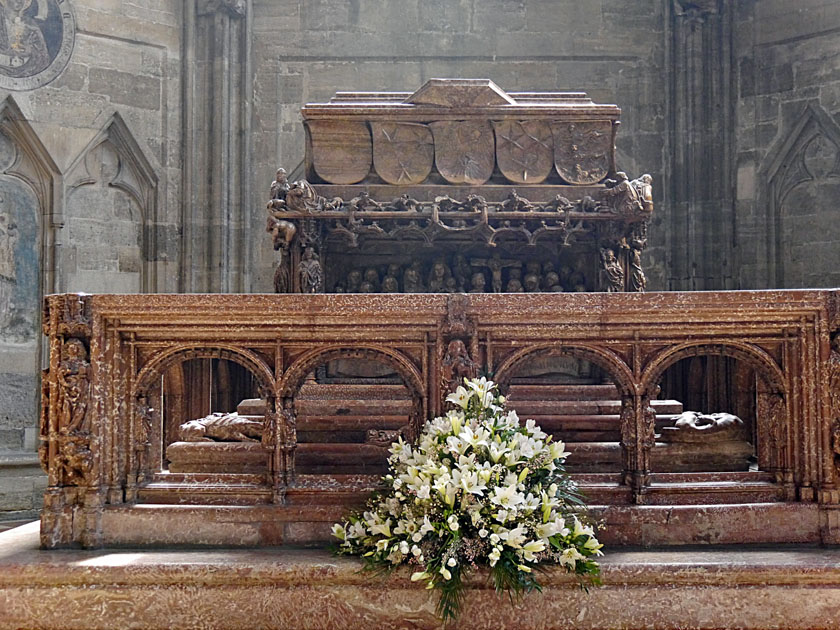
464,150
582,150
403,153
524,150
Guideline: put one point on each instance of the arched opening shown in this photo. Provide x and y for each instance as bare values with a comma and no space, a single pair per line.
204,411
730,417
349,405
575,395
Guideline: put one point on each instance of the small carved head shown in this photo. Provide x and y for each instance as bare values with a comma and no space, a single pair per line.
74,349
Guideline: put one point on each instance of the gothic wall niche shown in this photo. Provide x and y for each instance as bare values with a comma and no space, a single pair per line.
112,208
29,180
802,233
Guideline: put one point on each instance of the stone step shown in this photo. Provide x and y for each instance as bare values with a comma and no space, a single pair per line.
349,423
521,391
529,408
352,407
333,391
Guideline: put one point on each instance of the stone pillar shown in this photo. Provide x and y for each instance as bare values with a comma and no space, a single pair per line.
701,111
217,105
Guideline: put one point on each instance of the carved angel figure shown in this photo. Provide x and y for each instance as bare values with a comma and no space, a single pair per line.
74,381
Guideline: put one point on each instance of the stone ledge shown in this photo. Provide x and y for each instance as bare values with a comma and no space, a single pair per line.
713,587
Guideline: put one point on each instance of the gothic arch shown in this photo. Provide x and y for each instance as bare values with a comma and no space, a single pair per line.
294,377
133,175
161,362
763,364
790,163
32,164
603,358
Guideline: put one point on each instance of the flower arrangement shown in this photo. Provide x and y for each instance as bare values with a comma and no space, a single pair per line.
478,489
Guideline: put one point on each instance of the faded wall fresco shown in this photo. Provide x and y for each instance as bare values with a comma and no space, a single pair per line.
19,260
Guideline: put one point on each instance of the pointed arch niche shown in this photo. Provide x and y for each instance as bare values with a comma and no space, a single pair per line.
112,202
30,212
802,231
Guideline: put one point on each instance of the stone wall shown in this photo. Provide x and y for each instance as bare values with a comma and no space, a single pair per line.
89,185
788,143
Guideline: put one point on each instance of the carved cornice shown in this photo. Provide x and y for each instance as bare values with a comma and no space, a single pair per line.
234,8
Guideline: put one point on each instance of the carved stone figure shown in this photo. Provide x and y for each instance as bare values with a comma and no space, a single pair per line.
366,287
462,271
280,185
221,427
623,197
412,281
457,322
477,282
531,283
456,366
515,203
282,231
693,426
364,203
76,461
354,281
74,381
390,285
612,275
301,197
311,274
404,203
637,275
495,264
514,284
644,189
372,278
437,277
551,279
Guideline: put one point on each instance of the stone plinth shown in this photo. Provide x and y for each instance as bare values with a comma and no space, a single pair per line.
747,588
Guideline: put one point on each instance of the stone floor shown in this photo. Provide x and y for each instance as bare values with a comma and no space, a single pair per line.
701,587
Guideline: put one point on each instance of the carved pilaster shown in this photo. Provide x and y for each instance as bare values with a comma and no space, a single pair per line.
218,88
701,78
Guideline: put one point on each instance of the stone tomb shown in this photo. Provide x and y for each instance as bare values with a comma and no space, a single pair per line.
114,399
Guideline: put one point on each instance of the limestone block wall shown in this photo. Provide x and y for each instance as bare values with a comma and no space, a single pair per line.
306,51
90,171
788,143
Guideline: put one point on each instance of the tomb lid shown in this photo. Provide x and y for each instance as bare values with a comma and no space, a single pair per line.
441,99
